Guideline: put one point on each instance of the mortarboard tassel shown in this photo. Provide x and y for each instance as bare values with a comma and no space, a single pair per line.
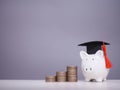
107,61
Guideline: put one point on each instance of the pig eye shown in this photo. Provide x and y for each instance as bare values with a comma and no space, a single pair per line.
93,59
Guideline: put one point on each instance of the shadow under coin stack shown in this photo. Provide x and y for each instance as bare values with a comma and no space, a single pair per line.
72,74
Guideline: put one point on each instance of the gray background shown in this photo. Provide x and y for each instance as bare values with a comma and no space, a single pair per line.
40,37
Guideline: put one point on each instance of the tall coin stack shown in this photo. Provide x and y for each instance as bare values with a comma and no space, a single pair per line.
72,74
61,76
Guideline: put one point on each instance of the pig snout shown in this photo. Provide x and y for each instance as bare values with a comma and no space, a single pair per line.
88,69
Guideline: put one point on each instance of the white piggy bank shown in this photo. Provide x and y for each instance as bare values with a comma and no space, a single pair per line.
93,66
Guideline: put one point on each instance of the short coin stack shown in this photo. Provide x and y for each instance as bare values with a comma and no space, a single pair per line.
61,76
50,78
72,74
64,76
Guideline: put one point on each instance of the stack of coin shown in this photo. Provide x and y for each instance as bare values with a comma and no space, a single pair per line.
50,78
61,76
72,74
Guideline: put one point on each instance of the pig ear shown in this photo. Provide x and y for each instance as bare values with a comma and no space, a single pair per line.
83,55
99,53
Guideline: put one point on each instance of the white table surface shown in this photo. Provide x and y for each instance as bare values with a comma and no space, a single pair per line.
42,85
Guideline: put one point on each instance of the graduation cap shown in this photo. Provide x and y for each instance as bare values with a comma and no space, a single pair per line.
94,46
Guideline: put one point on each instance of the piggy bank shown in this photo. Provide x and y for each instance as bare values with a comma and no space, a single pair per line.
93,66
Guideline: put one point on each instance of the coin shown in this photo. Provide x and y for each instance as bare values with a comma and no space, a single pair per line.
71,73
72,79
50,78
61,74
71,68
61,79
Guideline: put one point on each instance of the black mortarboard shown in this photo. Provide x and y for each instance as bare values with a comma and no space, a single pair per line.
93,46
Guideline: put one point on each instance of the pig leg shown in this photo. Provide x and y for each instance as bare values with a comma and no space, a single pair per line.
99,79
87,79
104,79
